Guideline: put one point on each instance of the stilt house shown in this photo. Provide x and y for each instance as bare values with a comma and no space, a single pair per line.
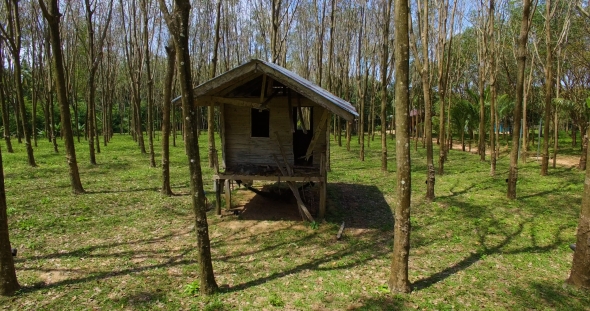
273,126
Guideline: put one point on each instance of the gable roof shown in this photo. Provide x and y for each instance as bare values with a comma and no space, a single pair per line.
256,67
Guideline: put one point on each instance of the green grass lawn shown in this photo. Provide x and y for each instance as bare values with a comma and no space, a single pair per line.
124,246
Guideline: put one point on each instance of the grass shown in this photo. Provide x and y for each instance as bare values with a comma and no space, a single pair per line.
124,246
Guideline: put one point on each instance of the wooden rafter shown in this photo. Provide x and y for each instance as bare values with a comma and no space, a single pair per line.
320,128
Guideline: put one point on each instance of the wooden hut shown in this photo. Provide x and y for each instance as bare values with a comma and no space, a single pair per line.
273,126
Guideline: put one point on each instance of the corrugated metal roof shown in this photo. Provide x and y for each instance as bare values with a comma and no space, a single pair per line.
287,77
313,87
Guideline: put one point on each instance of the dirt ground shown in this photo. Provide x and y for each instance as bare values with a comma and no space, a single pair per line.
562,160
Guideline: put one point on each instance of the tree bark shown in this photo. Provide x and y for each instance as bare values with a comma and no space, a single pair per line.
423,65
584,157
14,41
150,84
521,62
52,15
384,61
178,23
5,115
211,109
168,80
8,282
580,273
548,90
398,280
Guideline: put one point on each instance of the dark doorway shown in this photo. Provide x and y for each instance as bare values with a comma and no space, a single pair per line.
260,123
303,119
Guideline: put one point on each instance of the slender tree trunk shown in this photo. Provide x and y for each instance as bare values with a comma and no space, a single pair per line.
3,102
492,80
150,84
423,65
178,24
398,280
8,282
52,16
556,114
360,89
169,79
15,48
384,62
548,90
580,273
211,109
521,62
584,157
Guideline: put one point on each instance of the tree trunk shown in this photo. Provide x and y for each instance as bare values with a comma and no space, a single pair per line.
548,90
150,84
52,16
398,280
211,109
3,102
360,89
8,282
178,25
384,60
169,79
521,62
580,273
15,49
584,156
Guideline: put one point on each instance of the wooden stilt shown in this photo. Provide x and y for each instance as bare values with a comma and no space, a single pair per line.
302,208
323,186
218,186
227,194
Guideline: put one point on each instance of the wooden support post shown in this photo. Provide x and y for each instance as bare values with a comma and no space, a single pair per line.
302,208
290,111
227,194
323,186
218,186
319,129
301,120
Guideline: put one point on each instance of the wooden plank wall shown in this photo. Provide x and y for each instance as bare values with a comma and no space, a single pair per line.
240,148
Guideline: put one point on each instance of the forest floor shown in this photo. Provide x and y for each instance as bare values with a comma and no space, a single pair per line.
122,245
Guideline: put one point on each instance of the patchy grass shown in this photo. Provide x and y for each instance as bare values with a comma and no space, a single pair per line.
124,246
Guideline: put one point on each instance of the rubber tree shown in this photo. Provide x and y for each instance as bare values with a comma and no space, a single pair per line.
422,63
517,114
178,22
12,35
398,280
52,16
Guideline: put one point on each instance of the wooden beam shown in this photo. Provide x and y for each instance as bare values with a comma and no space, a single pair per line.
301,115
263,88
213,100
319,129
290,111
222,135
268,178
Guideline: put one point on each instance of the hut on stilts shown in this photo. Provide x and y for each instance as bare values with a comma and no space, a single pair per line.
273,127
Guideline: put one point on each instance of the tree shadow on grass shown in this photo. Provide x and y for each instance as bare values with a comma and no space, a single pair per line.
359,206
385,302
545,295
493,227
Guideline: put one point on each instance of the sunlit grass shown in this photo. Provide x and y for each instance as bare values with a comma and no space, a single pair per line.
124,246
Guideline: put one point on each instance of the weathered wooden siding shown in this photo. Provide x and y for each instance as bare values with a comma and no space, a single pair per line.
240,148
